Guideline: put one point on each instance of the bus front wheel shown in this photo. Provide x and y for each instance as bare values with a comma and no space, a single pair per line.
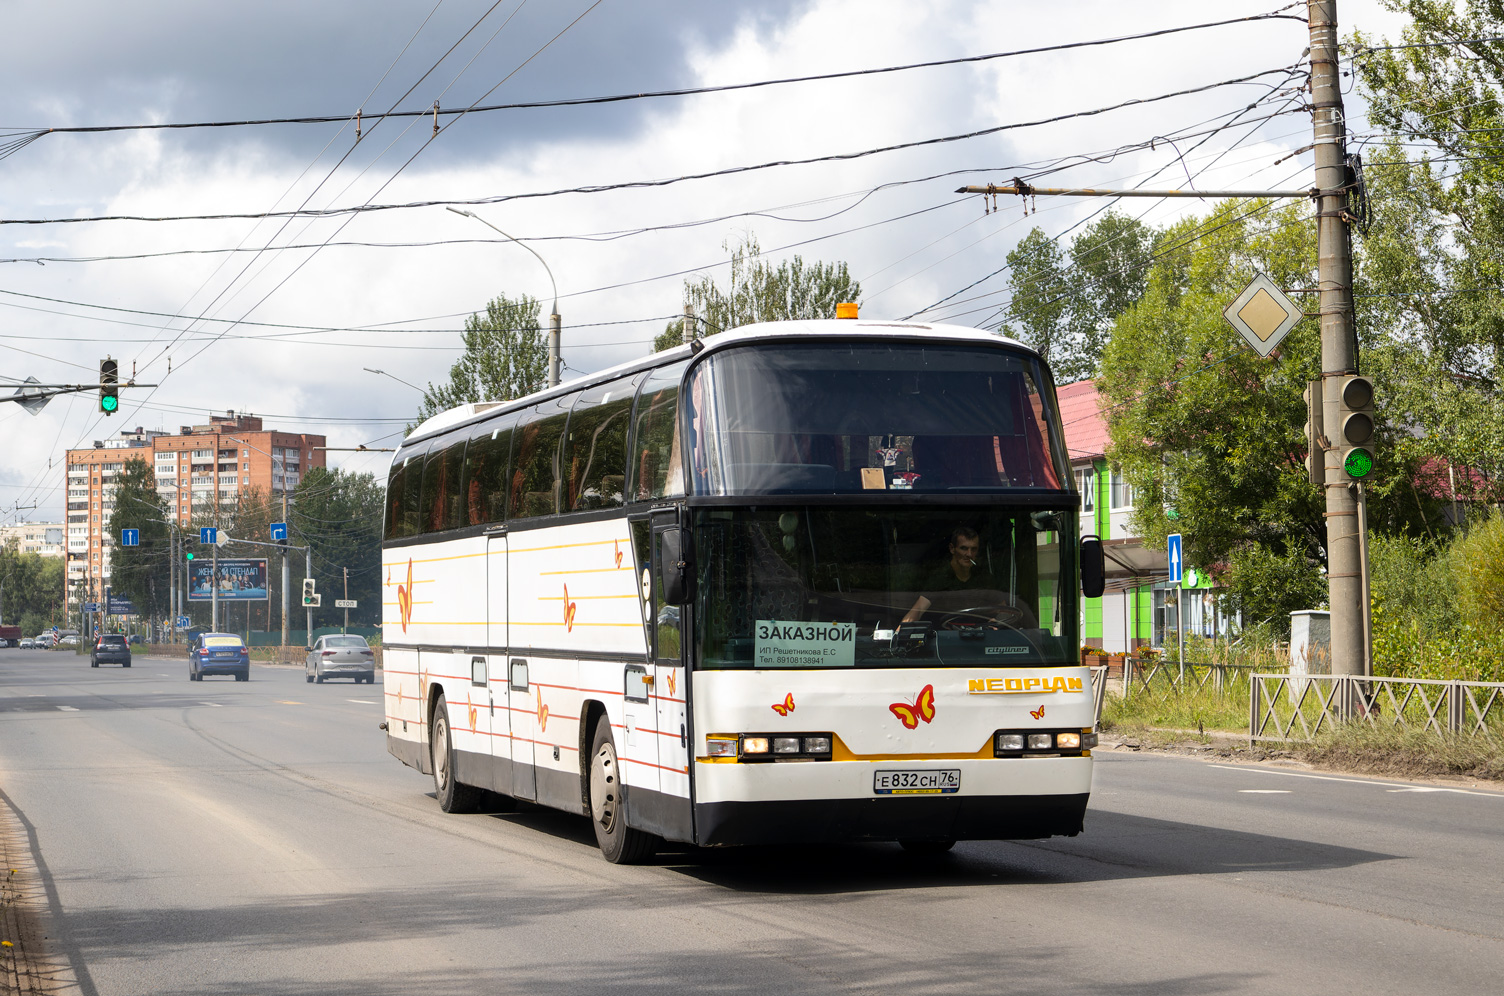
453,797
621,844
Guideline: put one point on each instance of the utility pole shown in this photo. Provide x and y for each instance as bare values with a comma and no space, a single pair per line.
214,583
308,573
346,627
285,575
553,347
1344,546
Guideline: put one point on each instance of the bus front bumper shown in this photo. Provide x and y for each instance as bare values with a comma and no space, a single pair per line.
1007,799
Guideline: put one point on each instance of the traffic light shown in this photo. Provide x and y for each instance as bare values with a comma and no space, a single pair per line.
1315,437
309,595
1355,438
190,554
109,392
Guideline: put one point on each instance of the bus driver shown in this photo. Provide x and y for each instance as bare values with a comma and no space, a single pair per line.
960,573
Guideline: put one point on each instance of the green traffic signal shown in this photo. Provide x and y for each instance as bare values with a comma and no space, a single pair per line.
109,391
190,556
1358,463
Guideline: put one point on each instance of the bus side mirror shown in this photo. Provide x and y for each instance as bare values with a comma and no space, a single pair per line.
677,562
1093,567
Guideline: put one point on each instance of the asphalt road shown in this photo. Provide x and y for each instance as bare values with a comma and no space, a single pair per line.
220,837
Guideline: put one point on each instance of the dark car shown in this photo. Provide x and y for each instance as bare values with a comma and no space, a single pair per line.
110,648
218,653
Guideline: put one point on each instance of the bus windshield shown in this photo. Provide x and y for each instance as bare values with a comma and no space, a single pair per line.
840,418
881,586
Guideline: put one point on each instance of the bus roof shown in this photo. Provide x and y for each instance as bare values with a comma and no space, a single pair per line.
760,332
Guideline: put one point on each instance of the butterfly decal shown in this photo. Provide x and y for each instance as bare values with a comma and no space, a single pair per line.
569,608
617,545
922,708
672,681
786,706
473,714
405,597
542,713
1037,713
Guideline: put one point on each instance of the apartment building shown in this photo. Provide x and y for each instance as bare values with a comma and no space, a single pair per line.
42,538
197,470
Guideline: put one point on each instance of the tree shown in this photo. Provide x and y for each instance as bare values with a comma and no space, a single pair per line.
339,514
505,357
760,292
1435,253
1065,311
140,573
31,590
1204,426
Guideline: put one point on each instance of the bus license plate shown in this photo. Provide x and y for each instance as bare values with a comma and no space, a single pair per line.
938,782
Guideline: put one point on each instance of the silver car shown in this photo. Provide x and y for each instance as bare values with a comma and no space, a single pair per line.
341,657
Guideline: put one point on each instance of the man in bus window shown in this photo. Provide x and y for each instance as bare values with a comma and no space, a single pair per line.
961,572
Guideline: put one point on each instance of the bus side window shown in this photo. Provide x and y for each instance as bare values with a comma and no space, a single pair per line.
536,459
433,496
596,451
412,493
484,486
394,484
656,468
453,511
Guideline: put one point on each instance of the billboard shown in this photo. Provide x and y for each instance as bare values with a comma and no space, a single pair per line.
239,580
119,605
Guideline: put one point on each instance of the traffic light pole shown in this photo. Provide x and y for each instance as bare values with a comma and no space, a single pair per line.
1344,541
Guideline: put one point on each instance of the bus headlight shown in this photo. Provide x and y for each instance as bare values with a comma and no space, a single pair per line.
817,745
1068,741
754,745
785,745
1041,741
1010,741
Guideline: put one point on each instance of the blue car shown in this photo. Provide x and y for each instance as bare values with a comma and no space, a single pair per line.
218,653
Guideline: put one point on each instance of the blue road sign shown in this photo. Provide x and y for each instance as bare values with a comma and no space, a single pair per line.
130,537
183,622
1177,563
207,534
91,606
279,532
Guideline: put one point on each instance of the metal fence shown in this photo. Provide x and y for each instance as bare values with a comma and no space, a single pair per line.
1297,707
1163,680
1098,692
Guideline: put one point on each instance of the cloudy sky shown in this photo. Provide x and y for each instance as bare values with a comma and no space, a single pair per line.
278,316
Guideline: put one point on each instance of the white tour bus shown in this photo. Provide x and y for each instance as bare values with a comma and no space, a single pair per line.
806,581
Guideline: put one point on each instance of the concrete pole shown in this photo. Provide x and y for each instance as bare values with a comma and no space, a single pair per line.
553,347
285,575
308,573
1338,339
346,627
214,586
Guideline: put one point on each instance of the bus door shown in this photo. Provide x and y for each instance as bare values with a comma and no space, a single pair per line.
670,647
498,671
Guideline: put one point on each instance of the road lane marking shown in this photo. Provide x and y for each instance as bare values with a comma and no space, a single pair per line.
67,708
1398,786
1264,791
287,702
216,705
363,701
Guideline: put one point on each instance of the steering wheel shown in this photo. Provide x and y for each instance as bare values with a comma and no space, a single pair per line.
995,616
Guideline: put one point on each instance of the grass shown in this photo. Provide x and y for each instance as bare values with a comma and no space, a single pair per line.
1200,710
1403,753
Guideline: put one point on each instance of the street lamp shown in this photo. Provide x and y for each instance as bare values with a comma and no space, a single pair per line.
553,319
399,380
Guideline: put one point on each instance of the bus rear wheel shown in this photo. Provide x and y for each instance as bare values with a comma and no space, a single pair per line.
453,797
621,844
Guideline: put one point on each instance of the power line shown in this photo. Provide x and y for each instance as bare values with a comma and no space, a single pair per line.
662,182
18,138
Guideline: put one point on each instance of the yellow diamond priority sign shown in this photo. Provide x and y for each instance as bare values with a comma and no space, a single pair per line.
1263,314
